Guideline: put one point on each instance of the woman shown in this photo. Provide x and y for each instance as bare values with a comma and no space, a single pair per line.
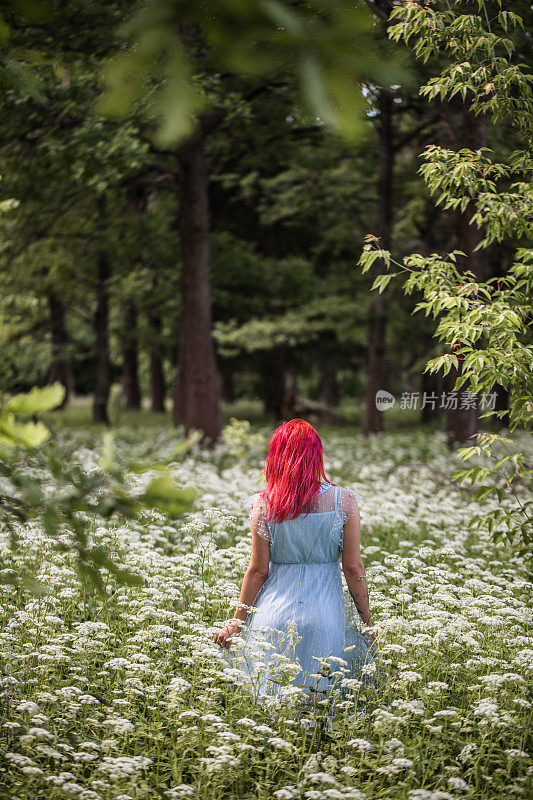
300,524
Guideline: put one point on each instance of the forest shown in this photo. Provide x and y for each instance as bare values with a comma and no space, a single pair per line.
216,218
195,274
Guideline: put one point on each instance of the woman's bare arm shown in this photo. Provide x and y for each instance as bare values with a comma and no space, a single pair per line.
254,577
353,567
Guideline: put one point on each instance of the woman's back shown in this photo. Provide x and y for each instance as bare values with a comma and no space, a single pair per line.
304,587
314,537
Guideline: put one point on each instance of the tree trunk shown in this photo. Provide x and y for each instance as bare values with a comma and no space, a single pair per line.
430,387
273,382
152,304
501,403
462,422
288,405
329,385
461,419
228,384
130,365
373,420
197,385
157,375
60,369
101,330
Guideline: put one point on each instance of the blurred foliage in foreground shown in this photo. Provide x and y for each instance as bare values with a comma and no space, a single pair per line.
79,495
328,45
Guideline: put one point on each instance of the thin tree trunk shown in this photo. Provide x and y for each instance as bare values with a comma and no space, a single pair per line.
197,385
101,330
461,419
430,397
501,404
462,422
157,375
329,385
272,373
287,408
130,362
373,419
228,384
152,305
60,369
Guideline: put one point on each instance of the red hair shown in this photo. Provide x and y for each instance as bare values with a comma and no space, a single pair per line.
294,470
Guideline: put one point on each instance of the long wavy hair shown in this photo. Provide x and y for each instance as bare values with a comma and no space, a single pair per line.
294,470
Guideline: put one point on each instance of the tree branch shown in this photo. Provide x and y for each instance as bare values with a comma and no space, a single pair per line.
382,8
412,134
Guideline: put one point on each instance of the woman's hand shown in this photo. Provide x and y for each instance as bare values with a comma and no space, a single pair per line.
223,637
372,635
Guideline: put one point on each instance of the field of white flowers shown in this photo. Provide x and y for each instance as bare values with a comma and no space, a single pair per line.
128,696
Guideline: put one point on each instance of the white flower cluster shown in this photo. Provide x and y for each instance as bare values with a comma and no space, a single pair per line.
124,766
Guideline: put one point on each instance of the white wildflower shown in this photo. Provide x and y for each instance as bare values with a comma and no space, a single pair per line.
286,793
362,745
178,685
182,790
119,724
41,733
35,771
467,752
486,708
19,760
280,744
29,707
124,766
393,745
321,777
351,683
459,784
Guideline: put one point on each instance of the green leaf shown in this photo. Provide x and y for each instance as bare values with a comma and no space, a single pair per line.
101,557
460,473
27,434
483,492
281,15
381,281
107,459
314,89
35,587
36,400
180,100
163,493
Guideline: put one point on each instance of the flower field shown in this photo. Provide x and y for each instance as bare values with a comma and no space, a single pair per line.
126,696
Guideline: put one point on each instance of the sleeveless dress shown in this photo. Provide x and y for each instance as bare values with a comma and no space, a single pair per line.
302,611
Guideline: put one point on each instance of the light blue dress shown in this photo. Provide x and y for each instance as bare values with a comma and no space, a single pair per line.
304,592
